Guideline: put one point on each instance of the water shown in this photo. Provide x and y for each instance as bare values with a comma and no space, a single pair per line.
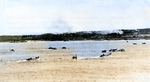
84,49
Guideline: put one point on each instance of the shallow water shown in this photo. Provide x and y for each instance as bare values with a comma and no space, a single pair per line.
84,49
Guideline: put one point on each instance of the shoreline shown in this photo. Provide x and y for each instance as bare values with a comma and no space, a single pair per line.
129,66
66,41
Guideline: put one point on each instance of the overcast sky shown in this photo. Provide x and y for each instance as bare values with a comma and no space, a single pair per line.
18,17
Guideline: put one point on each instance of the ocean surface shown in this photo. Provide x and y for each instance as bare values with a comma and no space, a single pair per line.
84,49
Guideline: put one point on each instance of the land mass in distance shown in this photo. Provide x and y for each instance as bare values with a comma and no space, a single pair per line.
122,34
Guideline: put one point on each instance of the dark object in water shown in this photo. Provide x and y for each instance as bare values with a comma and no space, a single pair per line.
64,48
144,43
52,48
134,43
105,54
104,51
102,55
29,59
74,57
12,50
112,50
33,58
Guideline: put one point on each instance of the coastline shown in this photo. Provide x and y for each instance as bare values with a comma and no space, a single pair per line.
129,66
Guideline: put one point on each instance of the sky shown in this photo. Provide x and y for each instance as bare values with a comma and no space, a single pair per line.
25,17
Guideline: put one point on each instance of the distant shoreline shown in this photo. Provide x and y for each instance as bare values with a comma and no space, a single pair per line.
81,36
64,41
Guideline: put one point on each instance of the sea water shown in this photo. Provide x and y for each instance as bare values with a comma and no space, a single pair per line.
83,49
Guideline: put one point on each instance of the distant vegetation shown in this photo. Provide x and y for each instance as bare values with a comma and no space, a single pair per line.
11,39
84,35
144,31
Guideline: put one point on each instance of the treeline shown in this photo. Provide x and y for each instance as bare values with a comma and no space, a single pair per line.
62,37
11,39
144,31
89,35
74,36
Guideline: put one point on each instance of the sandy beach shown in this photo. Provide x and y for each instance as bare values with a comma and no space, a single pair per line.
133,65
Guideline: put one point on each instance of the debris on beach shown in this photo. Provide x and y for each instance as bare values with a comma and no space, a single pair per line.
29,59
122,50
36,58
105,54
115,50
74,56
52,48
64,48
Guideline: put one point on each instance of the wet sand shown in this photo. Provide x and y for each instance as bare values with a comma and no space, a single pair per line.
133,65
